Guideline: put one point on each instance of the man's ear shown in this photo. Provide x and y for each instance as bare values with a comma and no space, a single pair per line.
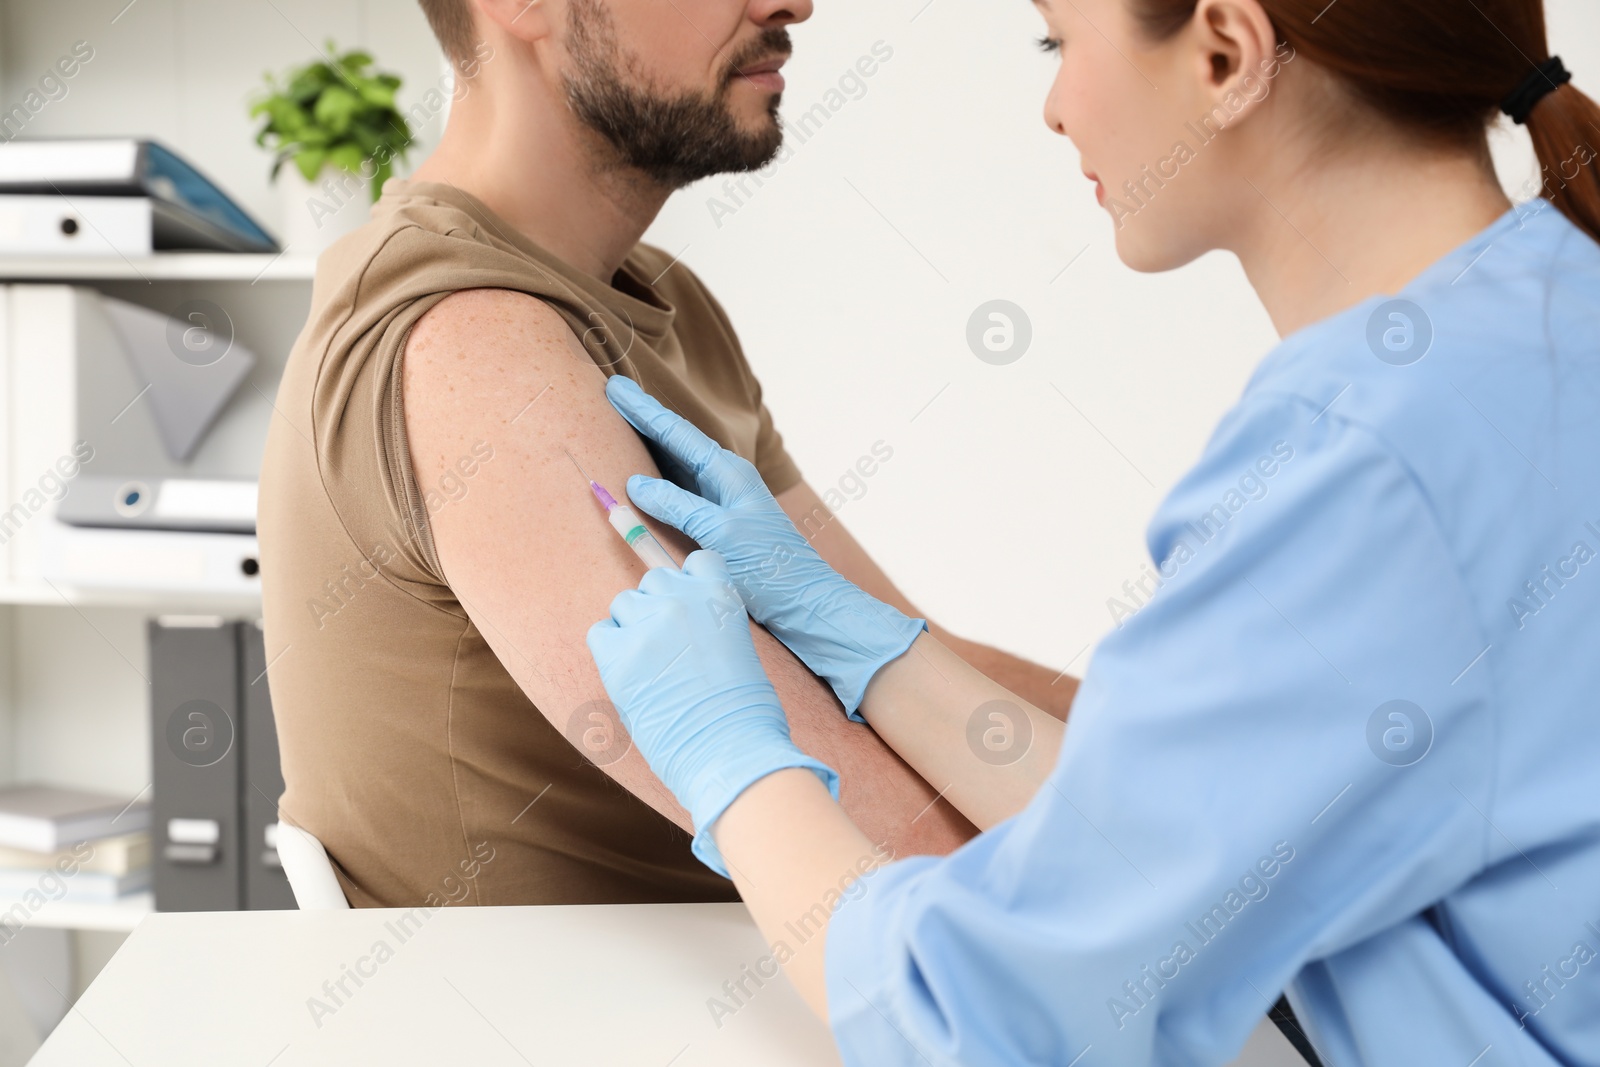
526,20
1236,50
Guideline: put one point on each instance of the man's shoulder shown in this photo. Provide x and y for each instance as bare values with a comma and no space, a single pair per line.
484,318
413,246
415,254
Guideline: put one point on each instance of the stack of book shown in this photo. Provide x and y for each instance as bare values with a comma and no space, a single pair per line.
99,196
68,844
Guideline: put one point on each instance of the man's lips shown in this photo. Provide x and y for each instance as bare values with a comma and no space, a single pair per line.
765,74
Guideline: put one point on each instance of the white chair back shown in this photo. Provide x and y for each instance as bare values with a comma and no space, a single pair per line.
311,876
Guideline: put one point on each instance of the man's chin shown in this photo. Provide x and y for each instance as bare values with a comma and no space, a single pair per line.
767,129
757,116
769,149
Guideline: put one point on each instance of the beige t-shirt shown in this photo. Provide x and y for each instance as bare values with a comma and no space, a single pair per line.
407,747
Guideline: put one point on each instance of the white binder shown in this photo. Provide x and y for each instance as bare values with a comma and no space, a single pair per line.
77,225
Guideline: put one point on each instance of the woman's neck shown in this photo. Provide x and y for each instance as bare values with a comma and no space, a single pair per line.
1350,229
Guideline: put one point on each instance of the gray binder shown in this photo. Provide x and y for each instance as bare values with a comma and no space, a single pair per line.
195,763
266,888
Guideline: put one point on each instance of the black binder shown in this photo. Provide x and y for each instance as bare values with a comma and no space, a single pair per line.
266,888
195,763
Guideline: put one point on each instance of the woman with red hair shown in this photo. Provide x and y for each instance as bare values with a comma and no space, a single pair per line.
1346,748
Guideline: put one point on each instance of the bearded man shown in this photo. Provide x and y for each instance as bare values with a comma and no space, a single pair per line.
432,557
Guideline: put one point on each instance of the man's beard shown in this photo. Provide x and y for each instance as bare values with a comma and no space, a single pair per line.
672,140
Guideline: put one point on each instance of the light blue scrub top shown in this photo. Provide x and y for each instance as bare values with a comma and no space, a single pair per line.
1350,747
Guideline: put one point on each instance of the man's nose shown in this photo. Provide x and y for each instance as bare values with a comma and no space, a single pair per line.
779,12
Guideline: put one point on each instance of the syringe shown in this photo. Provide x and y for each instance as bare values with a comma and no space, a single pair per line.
627,523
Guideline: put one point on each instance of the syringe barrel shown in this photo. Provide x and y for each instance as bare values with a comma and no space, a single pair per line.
638,537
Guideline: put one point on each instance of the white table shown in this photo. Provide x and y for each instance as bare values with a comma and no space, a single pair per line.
550,986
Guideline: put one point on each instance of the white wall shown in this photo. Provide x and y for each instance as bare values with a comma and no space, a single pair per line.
1004,512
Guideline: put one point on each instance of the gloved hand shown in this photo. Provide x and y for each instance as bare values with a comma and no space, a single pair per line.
839,631
677,659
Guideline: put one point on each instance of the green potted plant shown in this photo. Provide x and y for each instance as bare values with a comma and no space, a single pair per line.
335,120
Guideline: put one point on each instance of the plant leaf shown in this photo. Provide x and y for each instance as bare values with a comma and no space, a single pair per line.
347,156
379,176
310,82
310,161
333,110
377,95
336,108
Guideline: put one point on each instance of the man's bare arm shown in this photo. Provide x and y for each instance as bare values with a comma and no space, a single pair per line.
530,556
1042,687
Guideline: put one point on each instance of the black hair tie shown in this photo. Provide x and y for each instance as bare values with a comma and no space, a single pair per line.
1549,77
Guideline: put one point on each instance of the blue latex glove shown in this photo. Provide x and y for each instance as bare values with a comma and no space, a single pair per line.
839,631
677,658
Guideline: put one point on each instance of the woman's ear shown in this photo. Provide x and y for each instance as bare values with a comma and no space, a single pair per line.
1236,49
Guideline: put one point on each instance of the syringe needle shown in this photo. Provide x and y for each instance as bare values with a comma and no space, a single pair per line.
575,463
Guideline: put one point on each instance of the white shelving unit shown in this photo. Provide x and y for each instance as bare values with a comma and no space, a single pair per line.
163,266
74,702
27,594
74,699
73,707
74,689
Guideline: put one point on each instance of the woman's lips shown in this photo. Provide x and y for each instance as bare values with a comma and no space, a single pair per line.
1099,189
